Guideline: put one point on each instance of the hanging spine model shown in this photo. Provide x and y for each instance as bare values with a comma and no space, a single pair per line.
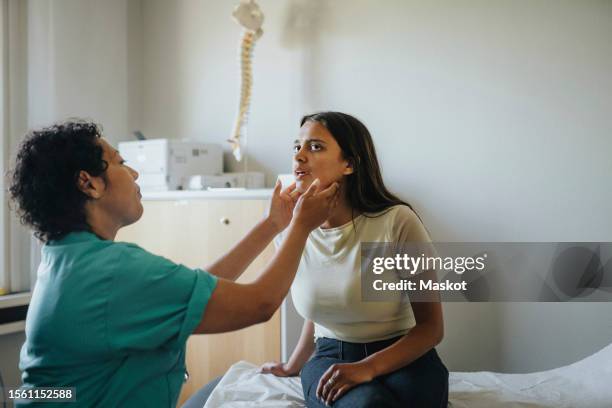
250,17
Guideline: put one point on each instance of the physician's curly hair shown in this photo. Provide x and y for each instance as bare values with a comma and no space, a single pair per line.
43,182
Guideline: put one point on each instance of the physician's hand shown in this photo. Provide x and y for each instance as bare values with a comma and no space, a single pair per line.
339,378
314,206
278,369
282,205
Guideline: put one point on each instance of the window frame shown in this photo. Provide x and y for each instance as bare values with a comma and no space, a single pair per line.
15,240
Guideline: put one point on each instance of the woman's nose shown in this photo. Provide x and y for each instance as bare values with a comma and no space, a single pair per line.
299,156
134,173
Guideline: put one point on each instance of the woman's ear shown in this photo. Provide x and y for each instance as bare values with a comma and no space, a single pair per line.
349,169
92,187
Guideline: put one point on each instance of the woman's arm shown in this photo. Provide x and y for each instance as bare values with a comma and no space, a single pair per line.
425,335
299,357
234,306
231,265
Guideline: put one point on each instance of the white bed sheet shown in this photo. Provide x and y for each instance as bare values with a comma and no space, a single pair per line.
584,384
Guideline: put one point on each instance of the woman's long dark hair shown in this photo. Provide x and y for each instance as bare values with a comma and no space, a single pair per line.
365,189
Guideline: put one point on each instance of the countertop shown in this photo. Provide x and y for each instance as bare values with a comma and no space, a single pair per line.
220,193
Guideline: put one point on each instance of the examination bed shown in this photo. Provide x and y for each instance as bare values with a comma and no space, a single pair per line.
584,384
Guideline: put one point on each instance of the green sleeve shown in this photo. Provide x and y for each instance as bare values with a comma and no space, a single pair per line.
153,301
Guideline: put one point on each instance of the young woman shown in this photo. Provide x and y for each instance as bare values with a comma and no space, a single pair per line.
109,318
366,354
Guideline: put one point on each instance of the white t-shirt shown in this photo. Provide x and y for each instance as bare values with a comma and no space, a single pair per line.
327,287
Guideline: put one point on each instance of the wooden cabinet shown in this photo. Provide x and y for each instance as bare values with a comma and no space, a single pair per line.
194,232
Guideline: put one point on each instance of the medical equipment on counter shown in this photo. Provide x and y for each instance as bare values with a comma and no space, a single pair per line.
250,17
165,164
227,180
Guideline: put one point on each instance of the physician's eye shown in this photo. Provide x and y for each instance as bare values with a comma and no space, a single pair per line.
122,162
296,148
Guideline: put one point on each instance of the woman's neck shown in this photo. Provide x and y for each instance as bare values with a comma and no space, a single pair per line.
342,214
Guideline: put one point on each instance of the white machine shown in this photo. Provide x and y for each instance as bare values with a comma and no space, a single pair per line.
165,164
251,179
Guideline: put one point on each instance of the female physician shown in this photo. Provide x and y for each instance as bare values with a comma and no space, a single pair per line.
108,318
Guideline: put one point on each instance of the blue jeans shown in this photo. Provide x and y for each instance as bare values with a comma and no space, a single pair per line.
421,384
198,399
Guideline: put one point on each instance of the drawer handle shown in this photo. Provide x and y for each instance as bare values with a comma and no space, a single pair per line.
224,221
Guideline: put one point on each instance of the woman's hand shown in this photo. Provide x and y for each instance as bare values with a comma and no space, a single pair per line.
339,378
278,369
281,206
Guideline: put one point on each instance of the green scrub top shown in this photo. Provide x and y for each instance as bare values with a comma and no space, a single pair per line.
111,320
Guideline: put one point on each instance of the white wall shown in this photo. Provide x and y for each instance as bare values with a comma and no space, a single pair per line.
78,63
500,108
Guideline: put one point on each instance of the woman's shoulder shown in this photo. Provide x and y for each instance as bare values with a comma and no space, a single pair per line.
403,223
133,259
396,213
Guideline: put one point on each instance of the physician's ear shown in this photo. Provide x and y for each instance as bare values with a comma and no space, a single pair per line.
92,187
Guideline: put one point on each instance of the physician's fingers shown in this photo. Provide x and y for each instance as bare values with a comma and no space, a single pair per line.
312,189
334,200
276,193
289,189
329,191
295,194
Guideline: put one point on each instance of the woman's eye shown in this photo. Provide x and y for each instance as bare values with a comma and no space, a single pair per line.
315,147
296,148
122,162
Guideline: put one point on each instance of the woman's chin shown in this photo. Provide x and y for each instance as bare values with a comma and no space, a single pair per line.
302,185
